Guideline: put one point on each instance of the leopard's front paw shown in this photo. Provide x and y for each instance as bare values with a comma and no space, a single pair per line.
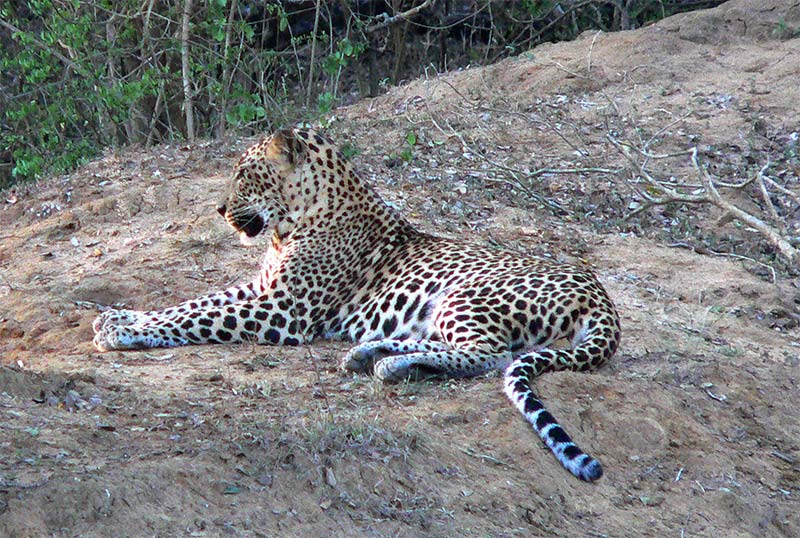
116,317
110,337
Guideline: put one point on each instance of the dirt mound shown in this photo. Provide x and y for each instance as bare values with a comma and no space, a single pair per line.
694,420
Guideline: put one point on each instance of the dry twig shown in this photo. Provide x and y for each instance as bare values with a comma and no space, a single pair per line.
386,20
658,192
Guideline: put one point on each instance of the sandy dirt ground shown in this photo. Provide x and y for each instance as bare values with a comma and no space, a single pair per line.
695,420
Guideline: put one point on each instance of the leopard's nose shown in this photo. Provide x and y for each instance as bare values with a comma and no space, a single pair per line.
221,208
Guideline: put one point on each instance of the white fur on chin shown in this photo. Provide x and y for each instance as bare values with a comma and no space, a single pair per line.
249,241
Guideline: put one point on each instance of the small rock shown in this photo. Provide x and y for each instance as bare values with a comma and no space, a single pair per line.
330,478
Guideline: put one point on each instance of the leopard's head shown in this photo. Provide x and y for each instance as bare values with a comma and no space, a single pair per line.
257,202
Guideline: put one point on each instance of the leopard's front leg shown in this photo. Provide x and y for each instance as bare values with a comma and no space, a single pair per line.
266,320
114,316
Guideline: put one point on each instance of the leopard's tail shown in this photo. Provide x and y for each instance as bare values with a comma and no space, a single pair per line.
599,342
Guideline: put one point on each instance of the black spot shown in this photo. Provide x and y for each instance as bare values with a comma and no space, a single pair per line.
544,419
205,333
251,325
521,371
278,320
411,309
558,435
229,322
188,324
261,314
291,342
532,404
272,336
572,452
224,335
389,325
205,322
432,287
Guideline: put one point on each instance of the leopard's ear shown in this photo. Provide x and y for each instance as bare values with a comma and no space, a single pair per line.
287,147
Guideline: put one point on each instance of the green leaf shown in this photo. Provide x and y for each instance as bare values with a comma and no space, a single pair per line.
347,48
325,102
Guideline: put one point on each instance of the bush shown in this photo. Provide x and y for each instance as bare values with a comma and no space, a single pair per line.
77,76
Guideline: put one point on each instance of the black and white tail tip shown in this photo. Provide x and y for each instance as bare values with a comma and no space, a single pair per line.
568,453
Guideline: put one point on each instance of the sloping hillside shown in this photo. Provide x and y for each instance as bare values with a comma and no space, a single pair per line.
695,419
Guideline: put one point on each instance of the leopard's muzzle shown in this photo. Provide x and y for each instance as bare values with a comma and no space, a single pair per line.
250,223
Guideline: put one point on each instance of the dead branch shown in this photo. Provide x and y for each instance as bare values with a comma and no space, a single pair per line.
386,20
654,191
773,236
708,251
509,175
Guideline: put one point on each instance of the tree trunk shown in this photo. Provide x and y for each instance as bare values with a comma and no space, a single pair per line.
310,87
106,121
226,73
187,85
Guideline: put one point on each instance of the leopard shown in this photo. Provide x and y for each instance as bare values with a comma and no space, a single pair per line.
341,263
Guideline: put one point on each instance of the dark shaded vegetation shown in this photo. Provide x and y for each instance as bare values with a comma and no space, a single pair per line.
79,76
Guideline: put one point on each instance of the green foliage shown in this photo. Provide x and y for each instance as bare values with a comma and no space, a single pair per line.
244,113
346,51
407,153
783,31
43,126
349,150
537,8
78,76
325,102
